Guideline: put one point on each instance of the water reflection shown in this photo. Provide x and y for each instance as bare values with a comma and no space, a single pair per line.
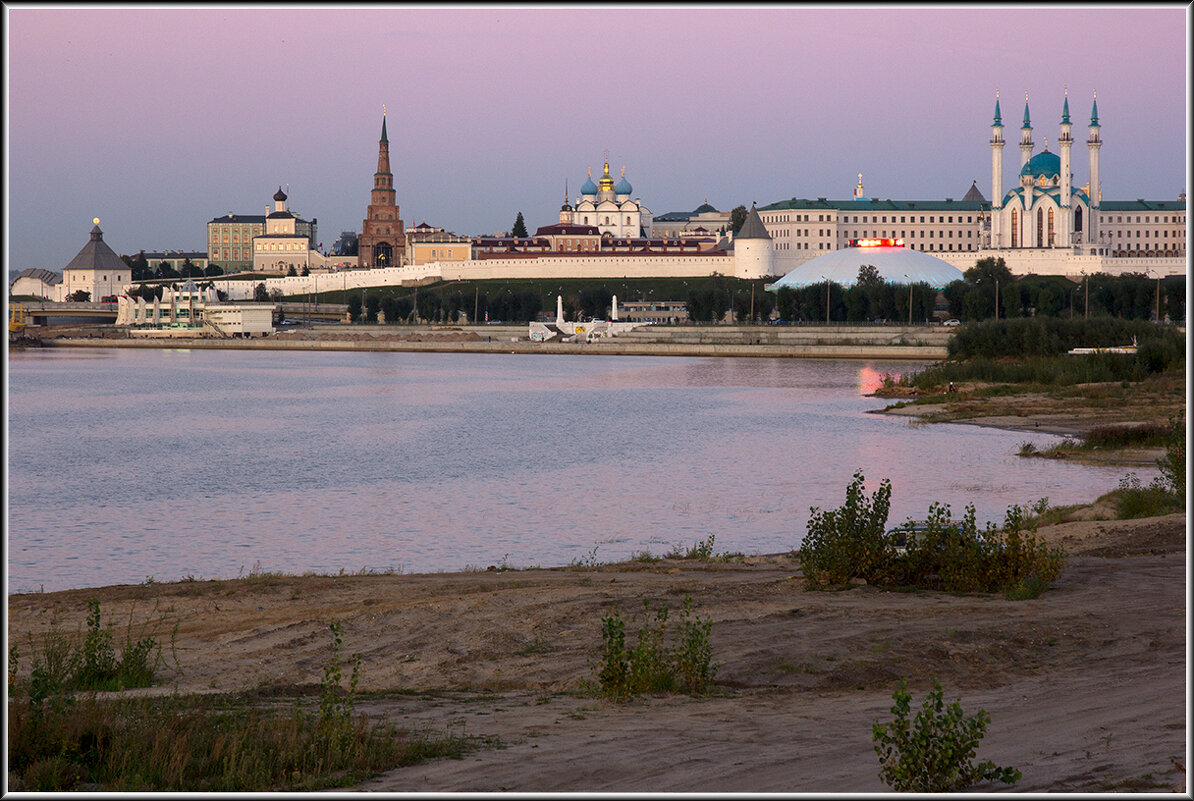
127,464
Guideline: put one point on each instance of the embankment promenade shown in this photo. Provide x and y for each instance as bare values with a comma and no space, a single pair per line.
921,343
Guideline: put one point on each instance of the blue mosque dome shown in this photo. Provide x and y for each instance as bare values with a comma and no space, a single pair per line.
1043,164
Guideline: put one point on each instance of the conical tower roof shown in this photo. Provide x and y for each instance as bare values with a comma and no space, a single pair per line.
96,255
973,194
752,227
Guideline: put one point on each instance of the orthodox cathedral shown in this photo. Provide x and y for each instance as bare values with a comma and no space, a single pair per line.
609,207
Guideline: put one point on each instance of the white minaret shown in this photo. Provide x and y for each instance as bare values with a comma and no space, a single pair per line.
1093,143
997,177
1064,143
1025,136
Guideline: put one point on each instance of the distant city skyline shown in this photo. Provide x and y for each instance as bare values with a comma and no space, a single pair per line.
157,120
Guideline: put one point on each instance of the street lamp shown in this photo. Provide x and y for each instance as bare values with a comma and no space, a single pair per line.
1149,272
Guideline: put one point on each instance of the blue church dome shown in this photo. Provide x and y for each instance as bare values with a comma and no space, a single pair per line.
1043,164
589,188
623,187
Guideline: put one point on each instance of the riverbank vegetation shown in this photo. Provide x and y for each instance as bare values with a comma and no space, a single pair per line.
853,542
62,739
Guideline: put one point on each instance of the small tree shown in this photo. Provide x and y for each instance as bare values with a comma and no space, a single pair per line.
260,295
291,272
868,275
79,296
520,227
1173,464
935,753
737,218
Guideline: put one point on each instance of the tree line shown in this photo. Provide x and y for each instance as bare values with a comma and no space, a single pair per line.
988,291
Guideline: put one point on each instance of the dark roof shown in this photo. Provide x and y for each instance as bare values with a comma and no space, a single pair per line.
703,209
176,254
1143,205
752,228
973,195
239,218
45,276
872,204
280,195
569,229
96,255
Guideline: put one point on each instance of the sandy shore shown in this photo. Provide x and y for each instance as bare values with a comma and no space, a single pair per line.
1085,686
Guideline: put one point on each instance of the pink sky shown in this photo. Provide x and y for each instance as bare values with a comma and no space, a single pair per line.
156,120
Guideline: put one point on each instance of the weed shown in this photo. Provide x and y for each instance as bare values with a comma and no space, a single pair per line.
934,753
1133,500
651,665
587,561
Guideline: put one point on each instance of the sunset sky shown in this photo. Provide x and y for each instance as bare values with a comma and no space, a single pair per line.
156,120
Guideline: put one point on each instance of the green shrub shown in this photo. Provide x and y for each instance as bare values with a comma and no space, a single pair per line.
652,665
849,542
1173,464
935,752
941,553
1133,500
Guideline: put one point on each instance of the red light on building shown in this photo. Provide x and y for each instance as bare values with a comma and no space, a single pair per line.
876,243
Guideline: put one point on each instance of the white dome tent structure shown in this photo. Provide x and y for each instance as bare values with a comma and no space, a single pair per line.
895,263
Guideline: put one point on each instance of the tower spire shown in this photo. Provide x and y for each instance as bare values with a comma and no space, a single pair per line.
384,138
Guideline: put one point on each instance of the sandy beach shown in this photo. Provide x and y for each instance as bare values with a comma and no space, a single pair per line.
1086,686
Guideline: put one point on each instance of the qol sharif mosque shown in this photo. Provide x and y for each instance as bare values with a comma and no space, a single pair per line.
1046,210
1044,224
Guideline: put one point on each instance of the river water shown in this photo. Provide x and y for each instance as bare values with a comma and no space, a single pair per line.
126,465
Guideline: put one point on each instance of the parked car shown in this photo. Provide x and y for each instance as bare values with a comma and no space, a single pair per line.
952,322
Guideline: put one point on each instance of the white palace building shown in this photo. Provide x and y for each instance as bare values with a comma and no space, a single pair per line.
1042,225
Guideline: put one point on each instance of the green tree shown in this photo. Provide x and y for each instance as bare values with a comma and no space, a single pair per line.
987,271
306,271
190,269
166,271
138,266
868,275
737,218
79,296
213,270
520,227
291,272
260,295
354,307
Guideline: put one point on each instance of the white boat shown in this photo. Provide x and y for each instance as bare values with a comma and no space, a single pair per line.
1117,349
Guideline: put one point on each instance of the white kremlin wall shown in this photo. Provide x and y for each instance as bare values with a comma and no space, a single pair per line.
755,265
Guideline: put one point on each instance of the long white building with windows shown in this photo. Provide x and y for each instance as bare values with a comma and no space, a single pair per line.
1043,223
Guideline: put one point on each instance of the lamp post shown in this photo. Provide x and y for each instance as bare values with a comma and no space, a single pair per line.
1150,272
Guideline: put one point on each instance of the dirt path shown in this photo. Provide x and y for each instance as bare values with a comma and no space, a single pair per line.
1085,686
